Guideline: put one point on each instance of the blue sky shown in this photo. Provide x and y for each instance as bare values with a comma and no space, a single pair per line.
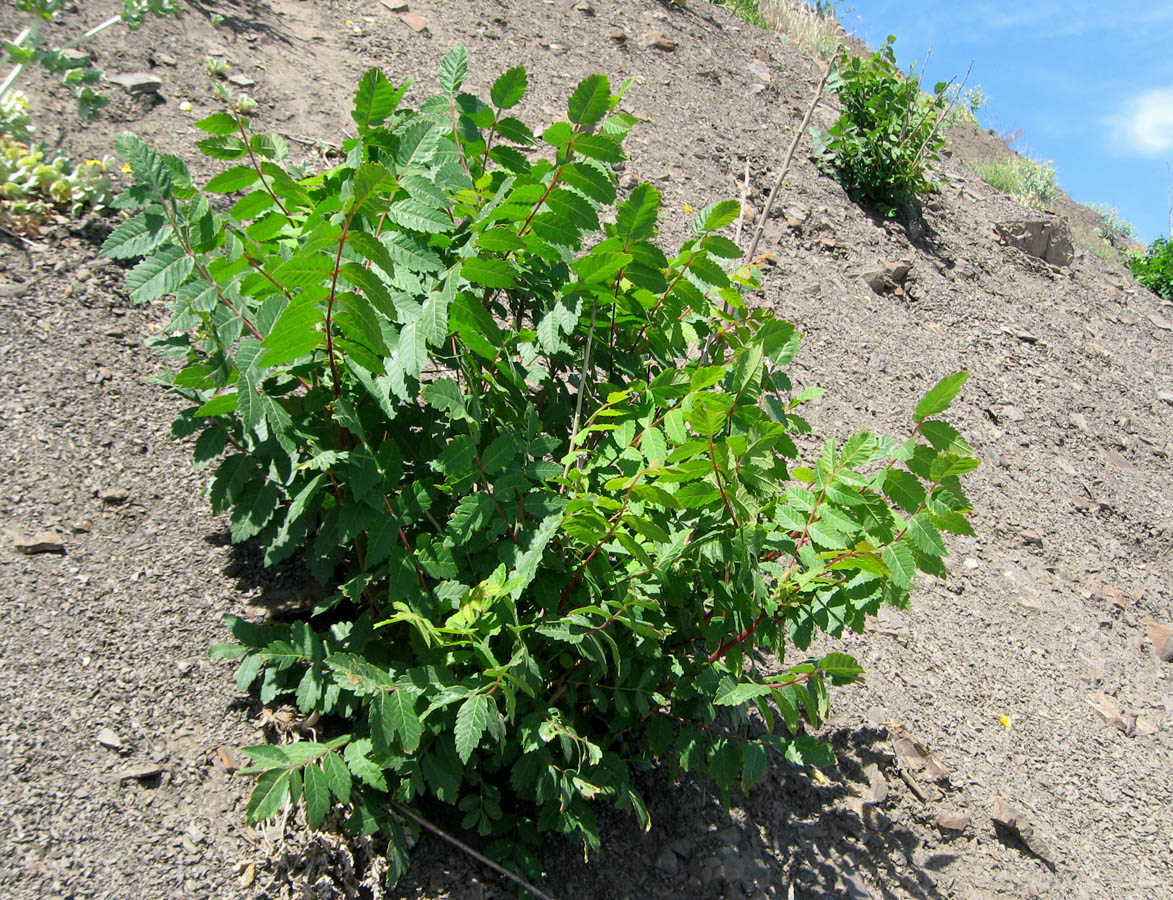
1089,84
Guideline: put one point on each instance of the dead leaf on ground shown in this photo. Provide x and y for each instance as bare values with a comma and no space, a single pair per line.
1012,824
916,757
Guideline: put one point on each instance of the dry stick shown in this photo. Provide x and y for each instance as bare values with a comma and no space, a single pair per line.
757,236
404,811
744,199
944,115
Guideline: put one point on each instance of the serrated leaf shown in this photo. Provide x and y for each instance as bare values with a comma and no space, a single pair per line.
471,721
362,767
453,70
905,489
317,795
419,217
596,146
736,694
219,124
938,399
635,219
509,88
489,272
159,275
590,101
235,179
374,100
899,559
393,714
840,668
925,535
269,796
226,147
716,216
337,776
137,237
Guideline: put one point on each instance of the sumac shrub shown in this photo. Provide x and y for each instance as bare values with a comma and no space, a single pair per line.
546,469
1154,269
887,133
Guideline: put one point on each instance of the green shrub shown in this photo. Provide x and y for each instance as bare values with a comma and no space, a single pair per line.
1154,269
1030,183
560,537
887,133
1114,228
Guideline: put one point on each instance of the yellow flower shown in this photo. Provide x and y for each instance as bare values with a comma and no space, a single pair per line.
687,208
126,167
1006,721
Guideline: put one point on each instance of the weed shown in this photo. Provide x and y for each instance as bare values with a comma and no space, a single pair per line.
33,188
887,133
558,537
1030,183
1114,228
217,67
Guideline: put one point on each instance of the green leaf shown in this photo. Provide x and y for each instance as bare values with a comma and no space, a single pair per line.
925,535
840,668
362,767
596,146
337,776
235,179
938,399
219,124
393,713
471,721
453,70
489,272
374,100
137,237
509,88
899,559
590,101
270,795
317,795
735,694
716,216
418,217
227,147
905,489
636,218
159,275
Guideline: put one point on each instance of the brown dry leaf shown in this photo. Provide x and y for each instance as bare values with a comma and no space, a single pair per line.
917,757
1010,822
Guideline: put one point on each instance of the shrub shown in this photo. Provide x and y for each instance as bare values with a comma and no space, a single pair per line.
1030,183
887,133
1154,269
1114,228
563,540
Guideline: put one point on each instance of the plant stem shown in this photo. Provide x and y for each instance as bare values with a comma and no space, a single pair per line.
17,69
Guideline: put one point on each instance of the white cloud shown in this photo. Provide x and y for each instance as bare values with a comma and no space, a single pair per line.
1145,124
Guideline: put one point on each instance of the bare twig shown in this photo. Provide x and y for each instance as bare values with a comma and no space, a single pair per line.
460,845
744,199
765,213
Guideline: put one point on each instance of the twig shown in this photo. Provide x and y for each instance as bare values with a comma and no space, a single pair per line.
744,199
455,842
765,214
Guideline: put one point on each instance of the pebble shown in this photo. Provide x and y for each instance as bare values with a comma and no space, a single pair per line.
656,40
137,82
668,861
414,21
107,737
1079,421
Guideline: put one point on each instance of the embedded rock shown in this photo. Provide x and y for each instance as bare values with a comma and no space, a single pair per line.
1048,239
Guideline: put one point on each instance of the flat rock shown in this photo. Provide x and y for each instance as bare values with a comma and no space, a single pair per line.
1161,637
108,737
41,542
241,80
656,40
1011,823
137,82
952,821
114,496
414,21
395,5
1047,239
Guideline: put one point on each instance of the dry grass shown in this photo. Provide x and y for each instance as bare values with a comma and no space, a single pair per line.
809,30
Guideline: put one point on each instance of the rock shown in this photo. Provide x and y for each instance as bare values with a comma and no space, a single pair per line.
952,821
656,40
916,757
114,496
585,8
1031,538
1047,239
1160,321
107,737
1107,709
414,21
886,277
1012,824
164,59
877,791
395,5
139,773
760,70
41,542
1166,396
1079,421
617,36
854,885
668,861
1161,637
137,82
229,758
241,81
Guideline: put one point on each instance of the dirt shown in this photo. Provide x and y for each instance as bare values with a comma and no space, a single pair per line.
1027,683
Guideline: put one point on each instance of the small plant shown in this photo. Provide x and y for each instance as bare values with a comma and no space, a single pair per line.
33,188
76,69
1027,181
1154,269
887,133
964,105
562,542
217,66
15,120
813,29
1114,228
